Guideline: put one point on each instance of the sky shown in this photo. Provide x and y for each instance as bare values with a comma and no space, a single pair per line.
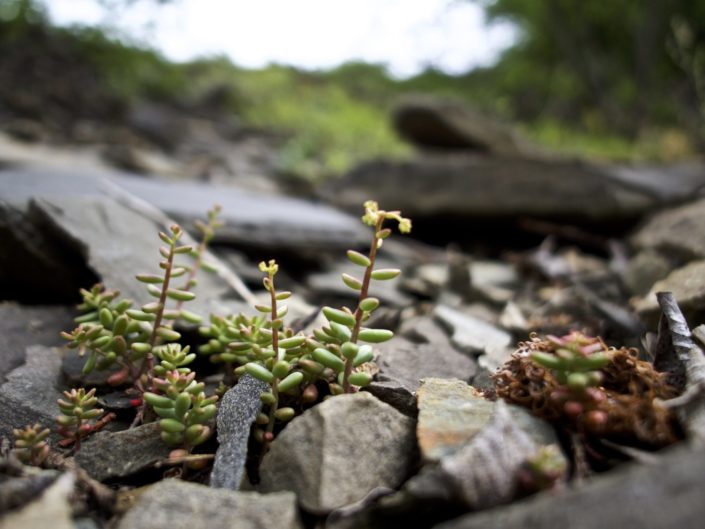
405,35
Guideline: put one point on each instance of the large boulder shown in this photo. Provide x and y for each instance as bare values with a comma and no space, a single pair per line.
467,185
448,124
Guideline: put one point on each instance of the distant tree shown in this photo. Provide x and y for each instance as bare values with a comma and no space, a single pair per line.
618,61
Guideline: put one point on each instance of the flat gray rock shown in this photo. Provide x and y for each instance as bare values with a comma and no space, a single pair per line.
337,452
469,334
176,504
22,326
665,494
252,218
30,393
237,411
107,455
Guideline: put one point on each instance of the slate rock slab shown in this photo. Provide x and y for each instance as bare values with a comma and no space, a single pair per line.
176,504
91,223
30,393
337,452
107,455
473,186
237,411
22,326
252,218
665,494
471,335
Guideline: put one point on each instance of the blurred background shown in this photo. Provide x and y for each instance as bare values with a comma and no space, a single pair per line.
305,89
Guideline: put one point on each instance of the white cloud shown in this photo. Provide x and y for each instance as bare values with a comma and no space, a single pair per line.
407,35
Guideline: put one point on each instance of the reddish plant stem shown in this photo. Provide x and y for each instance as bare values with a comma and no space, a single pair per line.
363,294
275,346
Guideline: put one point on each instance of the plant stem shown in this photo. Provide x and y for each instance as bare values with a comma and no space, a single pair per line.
363,294
278,355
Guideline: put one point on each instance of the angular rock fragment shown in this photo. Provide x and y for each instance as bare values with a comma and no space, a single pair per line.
337,452
107,455
469,334
176,504
688,286
22,326
452,413
237,411
403,364
666,494
29,396
51,509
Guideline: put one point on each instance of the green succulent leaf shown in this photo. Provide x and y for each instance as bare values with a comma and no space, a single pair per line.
328,359
149,278
360,379
352,282
180,295
384,274
358,258
339,316
375,335
259,372
291,381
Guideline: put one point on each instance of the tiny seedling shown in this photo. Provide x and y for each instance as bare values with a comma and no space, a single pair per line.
30,444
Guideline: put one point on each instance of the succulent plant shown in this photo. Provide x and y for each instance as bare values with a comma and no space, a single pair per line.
185,411
338,343
30,444
78,416
575,361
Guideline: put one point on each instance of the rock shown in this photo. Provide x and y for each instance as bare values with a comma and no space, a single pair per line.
29,396
337,452
665,494
51,509
470,187
93,223
16,491
253,219
433,122
688,286
451,413
671,183
677,232
107,455
407,363
644,269
237,411
469,334
403,364
176,504
22,326
72,368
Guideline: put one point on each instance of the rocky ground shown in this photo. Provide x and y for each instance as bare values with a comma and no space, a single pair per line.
508,240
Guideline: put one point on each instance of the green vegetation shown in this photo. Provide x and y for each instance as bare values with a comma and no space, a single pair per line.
615,80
